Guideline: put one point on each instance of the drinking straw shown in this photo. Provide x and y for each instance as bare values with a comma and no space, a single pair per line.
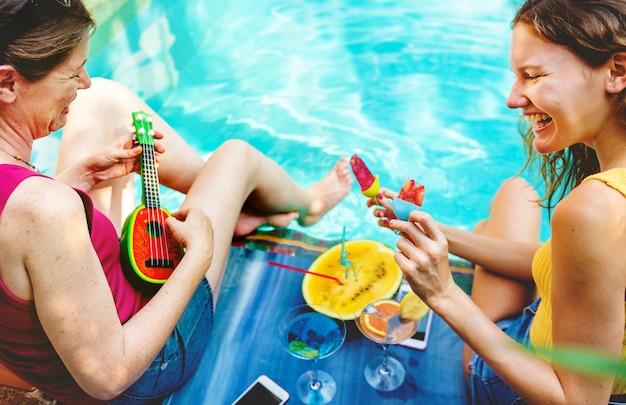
299,270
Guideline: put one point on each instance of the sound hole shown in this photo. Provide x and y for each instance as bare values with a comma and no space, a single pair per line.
154,229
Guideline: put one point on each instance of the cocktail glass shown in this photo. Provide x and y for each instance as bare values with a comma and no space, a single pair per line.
311,335
380,322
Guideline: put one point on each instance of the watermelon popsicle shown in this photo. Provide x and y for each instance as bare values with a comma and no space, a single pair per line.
410,198
367,181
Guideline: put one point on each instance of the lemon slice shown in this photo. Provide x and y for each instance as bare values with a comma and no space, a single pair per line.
412,307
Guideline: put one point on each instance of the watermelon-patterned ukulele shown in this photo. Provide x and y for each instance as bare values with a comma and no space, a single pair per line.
148,253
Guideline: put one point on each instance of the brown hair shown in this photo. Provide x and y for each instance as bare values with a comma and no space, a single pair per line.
38,35
593,30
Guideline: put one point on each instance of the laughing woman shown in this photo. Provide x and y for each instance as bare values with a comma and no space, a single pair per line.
569,62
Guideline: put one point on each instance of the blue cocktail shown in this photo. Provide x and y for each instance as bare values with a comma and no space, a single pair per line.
310,335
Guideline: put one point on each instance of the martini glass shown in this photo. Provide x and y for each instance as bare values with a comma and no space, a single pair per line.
380,322
311,335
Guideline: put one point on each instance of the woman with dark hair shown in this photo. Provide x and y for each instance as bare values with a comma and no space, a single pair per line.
71,324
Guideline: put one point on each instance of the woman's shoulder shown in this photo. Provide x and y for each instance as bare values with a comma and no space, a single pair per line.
39,198
593,203
615,178
588,227
34,213
592,215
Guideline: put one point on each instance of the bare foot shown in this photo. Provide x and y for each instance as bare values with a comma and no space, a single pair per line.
325,195
249,221
328,192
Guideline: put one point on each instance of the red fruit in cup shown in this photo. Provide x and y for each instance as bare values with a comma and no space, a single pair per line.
412,192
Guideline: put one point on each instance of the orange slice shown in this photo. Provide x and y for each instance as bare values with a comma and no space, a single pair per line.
387,308
375,324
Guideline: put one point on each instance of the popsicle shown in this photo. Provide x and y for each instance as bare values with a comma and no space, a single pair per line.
368,182
410,198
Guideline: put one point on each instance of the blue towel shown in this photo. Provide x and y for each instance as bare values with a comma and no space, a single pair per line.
245,341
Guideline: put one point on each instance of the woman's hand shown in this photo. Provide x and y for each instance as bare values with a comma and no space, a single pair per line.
423,256
384,214
119,158
193,229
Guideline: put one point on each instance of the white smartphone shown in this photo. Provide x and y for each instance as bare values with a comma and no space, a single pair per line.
263,391
419,340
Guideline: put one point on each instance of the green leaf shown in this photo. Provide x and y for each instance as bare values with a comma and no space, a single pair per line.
584,361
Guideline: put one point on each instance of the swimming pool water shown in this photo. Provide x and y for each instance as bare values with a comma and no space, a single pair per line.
416,88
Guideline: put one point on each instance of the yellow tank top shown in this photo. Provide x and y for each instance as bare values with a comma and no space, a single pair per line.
541,329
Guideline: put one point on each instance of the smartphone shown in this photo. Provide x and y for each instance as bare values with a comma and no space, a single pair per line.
420,339
263,391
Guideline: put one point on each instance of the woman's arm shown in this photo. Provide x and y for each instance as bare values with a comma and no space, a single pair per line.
588,281
505,257
117,159
588,309
72,296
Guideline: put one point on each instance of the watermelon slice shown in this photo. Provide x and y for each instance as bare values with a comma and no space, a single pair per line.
412,192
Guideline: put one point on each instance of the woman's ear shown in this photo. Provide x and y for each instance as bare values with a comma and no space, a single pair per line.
7,84
617,65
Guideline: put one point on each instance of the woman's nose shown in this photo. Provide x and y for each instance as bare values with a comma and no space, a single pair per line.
84,80
516,98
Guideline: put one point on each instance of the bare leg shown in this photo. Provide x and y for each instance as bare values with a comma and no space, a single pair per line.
221,186
99,115
102,113
250,220
324,195
514,215
224,185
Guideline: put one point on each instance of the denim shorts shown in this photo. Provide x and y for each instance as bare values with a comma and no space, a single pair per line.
486,388
180,356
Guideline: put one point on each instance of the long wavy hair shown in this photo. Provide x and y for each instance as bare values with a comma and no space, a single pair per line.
593,30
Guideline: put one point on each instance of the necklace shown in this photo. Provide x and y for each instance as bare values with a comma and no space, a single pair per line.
19,157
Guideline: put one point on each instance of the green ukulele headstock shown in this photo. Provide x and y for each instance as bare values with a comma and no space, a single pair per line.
143,127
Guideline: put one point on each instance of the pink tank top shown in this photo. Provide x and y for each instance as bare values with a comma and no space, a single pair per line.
24,346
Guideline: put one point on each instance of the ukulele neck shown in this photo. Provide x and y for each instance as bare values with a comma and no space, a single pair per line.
149,177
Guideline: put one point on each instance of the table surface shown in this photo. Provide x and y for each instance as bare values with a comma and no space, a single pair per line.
245,344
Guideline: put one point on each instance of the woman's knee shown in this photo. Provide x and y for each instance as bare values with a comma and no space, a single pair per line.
518,187
238,146
247,155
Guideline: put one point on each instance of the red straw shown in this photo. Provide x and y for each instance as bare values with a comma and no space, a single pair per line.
299,270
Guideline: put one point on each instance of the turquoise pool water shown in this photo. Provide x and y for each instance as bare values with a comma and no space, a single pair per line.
416,88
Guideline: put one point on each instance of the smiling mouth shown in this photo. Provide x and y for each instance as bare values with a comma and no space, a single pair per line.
539,121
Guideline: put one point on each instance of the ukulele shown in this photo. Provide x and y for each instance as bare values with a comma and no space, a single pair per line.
148,253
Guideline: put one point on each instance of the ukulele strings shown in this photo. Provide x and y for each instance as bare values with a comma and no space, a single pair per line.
156,216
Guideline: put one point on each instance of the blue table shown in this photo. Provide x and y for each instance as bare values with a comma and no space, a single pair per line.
245,343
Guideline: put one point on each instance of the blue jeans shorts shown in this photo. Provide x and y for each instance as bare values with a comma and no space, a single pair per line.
180,356
486,388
